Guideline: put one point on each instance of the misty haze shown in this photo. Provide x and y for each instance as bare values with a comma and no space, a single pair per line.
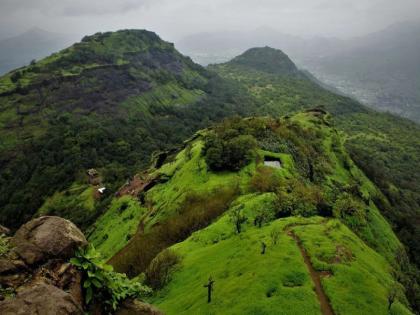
210,157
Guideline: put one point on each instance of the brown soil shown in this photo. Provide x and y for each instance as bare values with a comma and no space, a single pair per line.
133,188
326,308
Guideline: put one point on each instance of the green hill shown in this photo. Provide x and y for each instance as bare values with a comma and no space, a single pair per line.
266,59
386,147
110,101
318,204
107,103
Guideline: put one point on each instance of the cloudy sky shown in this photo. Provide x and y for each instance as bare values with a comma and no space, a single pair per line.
173,19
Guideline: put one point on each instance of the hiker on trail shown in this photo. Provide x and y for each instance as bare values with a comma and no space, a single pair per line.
209,287
263,247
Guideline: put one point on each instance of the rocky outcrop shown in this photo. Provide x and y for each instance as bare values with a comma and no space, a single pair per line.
37,270
135,307
36,277
41,299
45,238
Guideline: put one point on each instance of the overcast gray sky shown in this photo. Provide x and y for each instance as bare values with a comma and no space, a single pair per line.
172,19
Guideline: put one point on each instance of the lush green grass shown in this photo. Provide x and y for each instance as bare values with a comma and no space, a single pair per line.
247,282
188,174
78,202
360,279
116,226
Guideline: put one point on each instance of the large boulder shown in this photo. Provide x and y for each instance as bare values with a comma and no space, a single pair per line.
135,307
41,299
45,238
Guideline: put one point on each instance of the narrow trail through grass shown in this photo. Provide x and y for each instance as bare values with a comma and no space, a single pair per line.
326,308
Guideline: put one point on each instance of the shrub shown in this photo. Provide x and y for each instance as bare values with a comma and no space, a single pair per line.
294,279
231,153
102,284
158,272
265,179
349,210
298,199
264,214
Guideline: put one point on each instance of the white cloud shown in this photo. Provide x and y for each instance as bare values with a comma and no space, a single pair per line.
176,18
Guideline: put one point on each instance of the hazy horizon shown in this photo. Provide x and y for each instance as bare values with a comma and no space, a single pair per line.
173,21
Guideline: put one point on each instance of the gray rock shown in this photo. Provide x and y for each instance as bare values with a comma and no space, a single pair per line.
47,237
41,299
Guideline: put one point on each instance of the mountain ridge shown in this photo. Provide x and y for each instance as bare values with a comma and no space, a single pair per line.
104,105
171,214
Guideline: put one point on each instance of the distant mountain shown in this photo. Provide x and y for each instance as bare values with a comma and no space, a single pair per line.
216,47
35,43
267,59
381,69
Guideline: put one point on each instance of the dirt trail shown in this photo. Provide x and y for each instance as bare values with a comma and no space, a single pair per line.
326,308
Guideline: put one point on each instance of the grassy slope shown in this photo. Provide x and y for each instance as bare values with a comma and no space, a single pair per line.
247,282
116,226
188,173
243,276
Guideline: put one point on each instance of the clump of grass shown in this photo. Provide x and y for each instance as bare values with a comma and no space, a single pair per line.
158,272
294,279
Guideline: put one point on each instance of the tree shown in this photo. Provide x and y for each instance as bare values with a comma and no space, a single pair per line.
228,151
237,218
263,215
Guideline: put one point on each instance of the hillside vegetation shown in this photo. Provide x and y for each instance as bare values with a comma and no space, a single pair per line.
107,102
318,202
386,147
